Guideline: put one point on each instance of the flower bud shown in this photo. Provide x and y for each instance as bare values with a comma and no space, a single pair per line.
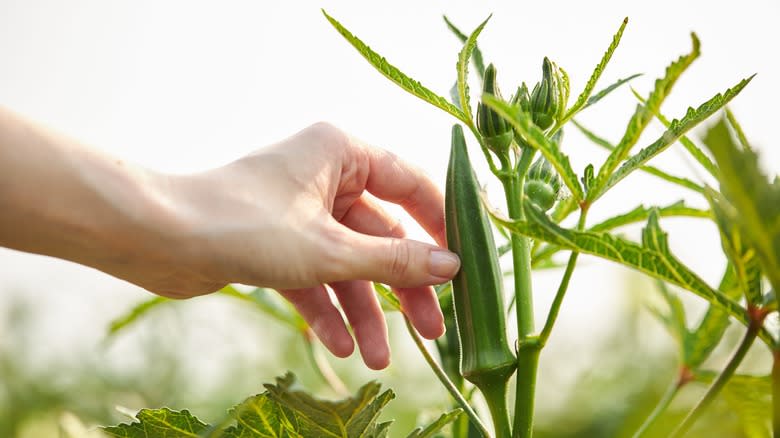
548,99
542,184
498,134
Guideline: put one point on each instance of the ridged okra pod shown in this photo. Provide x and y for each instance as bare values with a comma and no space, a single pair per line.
486,358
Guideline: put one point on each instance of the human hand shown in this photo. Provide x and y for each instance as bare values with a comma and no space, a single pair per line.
296,216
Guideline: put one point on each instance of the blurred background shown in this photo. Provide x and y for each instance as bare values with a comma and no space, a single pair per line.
183,86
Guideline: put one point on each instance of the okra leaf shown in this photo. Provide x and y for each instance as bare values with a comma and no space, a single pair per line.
603,93
701,341
678,180
389,300
652,257
159,423
524,125
674,318
134,314
689,146
743,141
394,74
270,303
463,70
443,420
741,254
583,98
751,399
642,117
676,128
747,189
642,213
476,57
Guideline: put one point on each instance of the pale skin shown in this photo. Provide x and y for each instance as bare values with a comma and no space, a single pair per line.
294,216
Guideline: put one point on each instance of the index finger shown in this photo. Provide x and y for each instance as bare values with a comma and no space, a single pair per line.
394,180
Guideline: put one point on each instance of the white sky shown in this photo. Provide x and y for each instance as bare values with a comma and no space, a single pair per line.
181,86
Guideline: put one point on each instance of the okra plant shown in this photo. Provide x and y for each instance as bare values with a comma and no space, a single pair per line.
521,137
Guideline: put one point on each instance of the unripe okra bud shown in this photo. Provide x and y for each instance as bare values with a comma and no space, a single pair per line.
548,99
542,184
496,132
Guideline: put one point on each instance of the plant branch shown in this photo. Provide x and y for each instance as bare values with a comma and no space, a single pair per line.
446,380
322,366
682,379
722,379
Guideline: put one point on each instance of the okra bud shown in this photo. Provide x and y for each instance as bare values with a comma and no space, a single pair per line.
496,132
548,99
542,184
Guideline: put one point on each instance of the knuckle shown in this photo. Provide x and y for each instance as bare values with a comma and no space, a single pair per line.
400,255
328,134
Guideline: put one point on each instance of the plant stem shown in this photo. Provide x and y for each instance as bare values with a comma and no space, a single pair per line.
776,391
683,378
322,366
721,380
528,357
562,288
495,396
446,381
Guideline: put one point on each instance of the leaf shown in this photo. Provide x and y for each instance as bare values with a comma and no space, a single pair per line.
523,125
352,417
747,189
743,141
677,128
443,420
642,213
476,58
741,255
391,72
463,70
692,149
751,399
260,416
642,117
652,257
582,100
269,303
700,342
159,423
603,93
680,181
674,319
389,299
134,314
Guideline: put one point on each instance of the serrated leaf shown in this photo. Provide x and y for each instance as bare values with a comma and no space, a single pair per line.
642,116
260,416
652,257
394,74
349,418
676,128
674,319
678,180
476,57
134,314
594,77
747,189
642,213
743,141
443,420
463,70
524,125
159,423
603,93
689,146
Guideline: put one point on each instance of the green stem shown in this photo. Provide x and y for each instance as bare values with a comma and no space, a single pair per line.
322,366
527,358
776,392
495,396
663,404
721,380
446,381
562,288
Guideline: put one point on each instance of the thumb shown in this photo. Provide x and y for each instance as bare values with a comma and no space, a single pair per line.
399,262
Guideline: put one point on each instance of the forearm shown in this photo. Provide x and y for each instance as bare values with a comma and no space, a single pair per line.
62,199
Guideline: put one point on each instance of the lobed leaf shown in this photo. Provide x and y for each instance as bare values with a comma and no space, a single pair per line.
523,125
652,257
443,420
641,119
463,71
751,399
394,74
603,93
159,423
743,141
642,213
476,58
583,98
674,319
678,180
749,192
692,149
676,128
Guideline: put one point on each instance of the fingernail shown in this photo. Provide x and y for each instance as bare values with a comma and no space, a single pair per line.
443,264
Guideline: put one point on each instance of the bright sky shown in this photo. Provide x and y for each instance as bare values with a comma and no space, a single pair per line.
186,85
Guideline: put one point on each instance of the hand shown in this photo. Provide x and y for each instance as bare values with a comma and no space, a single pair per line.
296,216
